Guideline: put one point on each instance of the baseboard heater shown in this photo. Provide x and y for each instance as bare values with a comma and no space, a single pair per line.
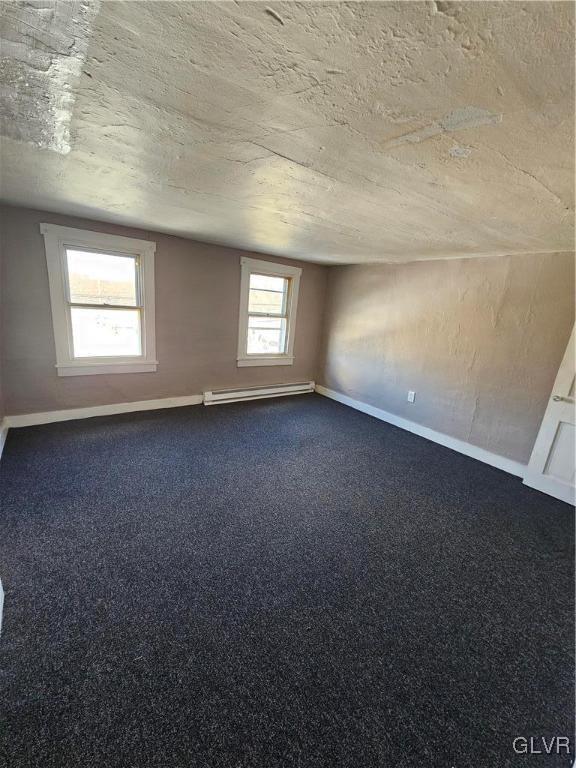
256,393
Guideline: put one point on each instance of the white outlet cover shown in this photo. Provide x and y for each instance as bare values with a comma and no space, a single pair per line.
411,396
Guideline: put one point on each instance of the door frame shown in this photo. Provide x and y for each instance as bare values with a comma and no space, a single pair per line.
534,476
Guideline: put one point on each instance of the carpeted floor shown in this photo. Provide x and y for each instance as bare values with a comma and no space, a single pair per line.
283,583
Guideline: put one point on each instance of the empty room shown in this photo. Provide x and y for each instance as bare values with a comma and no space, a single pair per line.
287,384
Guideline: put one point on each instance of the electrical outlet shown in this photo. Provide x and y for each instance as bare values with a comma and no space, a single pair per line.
411,396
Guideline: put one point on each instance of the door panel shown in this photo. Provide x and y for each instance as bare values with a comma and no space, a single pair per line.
552,465
560,462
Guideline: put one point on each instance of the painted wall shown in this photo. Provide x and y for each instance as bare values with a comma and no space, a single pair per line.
479,340
2,409
197,301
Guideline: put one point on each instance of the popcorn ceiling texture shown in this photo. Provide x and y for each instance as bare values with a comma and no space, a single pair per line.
336,132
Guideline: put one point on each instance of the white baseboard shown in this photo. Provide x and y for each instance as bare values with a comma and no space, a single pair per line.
32,419
3,434
552,487
500,462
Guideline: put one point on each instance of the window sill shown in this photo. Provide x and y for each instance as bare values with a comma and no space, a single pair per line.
90,369
250,361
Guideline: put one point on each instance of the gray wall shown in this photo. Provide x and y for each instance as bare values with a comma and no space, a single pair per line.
2,409
197,302
479,340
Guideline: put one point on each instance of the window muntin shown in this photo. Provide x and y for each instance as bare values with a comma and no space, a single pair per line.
104,303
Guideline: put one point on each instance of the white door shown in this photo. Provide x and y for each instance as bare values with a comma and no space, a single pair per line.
552,464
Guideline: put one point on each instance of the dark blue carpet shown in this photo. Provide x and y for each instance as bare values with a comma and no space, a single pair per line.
276,584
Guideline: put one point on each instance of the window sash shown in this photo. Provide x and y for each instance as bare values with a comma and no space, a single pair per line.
276,329
284,313
285,293
137,276
108,357
266,314
109,308
285,317
122,307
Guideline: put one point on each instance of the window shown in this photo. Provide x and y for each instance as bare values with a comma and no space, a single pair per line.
102,296
268,301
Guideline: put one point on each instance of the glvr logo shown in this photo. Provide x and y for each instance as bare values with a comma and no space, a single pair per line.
540,745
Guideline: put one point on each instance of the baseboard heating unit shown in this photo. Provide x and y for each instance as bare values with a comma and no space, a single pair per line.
256,393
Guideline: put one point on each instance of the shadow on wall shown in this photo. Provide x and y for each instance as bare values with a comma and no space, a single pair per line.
479,340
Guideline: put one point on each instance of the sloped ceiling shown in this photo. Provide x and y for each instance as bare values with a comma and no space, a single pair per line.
333,132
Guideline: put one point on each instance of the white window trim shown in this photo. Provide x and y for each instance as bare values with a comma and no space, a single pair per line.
56,239
248,266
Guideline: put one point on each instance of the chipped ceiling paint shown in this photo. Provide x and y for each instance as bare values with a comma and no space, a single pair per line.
43,48
457,151
458,120
334,132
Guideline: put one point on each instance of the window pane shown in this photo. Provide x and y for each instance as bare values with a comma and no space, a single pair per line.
266,301
106,332
267,294
266,335
267,283
101,278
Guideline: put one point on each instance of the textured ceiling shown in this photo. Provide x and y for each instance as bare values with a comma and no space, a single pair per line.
334,132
